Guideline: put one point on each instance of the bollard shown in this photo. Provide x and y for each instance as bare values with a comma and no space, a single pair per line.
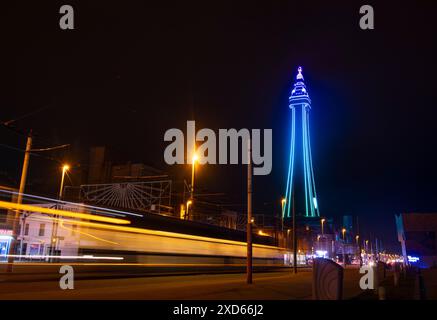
381,293
327,280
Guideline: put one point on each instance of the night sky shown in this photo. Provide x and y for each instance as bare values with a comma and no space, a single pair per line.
133,69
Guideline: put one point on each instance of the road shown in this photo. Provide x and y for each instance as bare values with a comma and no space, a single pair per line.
278,285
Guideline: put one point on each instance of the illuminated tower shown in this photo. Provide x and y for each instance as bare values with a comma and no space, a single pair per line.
300,105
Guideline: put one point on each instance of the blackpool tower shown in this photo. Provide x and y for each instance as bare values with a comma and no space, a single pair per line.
300,149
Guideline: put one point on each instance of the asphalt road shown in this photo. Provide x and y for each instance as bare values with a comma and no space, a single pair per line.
279,285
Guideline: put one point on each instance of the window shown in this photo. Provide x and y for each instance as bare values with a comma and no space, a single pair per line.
42,228
26,229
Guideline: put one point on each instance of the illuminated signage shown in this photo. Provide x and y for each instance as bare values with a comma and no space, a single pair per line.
5,232
413,259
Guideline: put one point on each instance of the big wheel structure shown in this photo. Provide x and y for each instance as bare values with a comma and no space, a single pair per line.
152,196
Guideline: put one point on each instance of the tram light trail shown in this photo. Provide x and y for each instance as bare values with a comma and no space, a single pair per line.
77,215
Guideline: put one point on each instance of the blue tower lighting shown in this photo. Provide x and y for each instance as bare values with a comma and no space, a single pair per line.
300,102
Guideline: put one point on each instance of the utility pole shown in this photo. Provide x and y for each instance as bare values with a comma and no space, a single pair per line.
15,223
294,238
249,214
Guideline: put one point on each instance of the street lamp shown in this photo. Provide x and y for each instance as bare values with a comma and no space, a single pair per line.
189,202
283,202
65,168
343,231
357,238
322,221
54,244
195,158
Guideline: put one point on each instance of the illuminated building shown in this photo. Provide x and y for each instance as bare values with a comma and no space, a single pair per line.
300,105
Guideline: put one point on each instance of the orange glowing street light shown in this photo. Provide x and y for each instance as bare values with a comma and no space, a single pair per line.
189,202
195,158
343,231
65,168
322,221
283,202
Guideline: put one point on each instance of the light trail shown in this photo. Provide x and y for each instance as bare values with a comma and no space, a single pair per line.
97,209
77,215
61,224
84,257
130,264
168,234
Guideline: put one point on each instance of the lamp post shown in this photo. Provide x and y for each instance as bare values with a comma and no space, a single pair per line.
193,167
357,238
189,202
288,238
65,168
249,215
322,221
283,201
195,158
343,231
54,242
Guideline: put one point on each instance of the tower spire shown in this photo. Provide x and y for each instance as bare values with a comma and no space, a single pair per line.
299,75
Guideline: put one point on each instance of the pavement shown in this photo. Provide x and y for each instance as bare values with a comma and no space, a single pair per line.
278,285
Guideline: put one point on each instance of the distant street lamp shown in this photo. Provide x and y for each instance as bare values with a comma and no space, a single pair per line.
288,238
283,202
189,202
322,221
343,231
357,238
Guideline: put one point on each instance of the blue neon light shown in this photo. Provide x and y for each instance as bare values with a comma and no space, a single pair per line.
300,98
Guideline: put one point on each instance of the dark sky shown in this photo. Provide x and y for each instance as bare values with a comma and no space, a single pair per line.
133,69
